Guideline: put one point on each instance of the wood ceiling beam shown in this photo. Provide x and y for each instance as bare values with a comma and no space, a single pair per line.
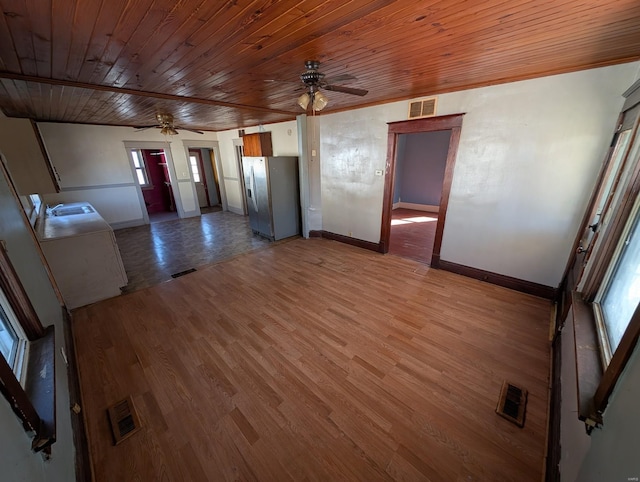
141,93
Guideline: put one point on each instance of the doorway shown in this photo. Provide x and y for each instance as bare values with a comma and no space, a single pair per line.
239,151
419,173
449,137
205,178
152,174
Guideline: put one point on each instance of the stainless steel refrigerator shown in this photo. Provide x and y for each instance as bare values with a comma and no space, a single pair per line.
273,195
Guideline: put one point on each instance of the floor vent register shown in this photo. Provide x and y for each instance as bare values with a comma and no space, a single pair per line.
512,403
124,420
182,273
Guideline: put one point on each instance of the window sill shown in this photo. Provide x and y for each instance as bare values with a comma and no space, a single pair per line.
588,364
40,387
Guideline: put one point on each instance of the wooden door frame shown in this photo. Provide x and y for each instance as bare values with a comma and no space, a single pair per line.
451,123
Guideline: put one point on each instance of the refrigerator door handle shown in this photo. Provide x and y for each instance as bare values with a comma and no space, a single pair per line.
253,189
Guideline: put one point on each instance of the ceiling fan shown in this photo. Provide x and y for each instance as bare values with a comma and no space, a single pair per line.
314,80
166,125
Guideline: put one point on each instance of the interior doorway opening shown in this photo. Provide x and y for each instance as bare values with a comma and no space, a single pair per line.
206,179
152,174
426,217
421,160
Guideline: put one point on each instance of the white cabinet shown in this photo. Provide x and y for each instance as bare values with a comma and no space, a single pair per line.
83,255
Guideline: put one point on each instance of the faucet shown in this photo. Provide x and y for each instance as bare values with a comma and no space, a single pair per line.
50,210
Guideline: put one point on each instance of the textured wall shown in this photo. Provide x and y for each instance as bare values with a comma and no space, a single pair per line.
528,156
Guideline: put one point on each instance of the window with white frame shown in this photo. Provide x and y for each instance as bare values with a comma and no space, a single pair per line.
193,161
13,342
142,175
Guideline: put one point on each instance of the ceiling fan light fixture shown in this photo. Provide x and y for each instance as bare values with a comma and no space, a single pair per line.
168,130
320,101
303,100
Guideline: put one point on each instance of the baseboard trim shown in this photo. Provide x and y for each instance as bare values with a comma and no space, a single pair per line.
418,207
236,210
552,462
84,472
516,284
360,243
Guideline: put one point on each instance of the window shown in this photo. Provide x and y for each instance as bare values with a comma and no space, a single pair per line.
193,161
619,294
13,342
141,169
605,302
28,385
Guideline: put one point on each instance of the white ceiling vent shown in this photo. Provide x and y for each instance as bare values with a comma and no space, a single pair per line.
423,108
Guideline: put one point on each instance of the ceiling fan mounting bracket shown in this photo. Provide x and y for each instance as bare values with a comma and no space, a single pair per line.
311,77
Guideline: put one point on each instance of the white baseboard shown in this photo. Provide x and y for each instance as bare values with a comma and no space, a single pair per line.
236,210
417,207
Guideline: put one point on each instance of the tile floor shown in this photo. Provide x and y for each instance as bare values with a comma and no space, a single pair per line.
153,252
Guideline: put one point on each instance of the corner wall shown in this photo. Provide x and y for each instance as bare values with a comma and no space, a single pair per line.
527,160
17,461
93,166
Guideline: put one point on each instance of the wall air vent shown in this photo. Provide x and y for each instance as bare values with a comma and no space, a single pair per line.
423,108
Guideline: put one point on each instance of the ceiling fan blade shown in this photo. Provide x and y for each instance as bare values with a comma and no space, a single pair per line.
143,128
346,90
280,81
340,78
187,129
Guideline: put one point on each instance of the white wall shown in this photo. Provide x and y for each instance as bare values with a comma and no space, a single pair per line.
17,461
93,166
284,138
611,452
527,160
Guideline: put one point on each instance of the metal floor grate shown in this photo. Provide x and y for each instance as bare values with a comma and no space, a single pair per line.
182,273
512,403
124,420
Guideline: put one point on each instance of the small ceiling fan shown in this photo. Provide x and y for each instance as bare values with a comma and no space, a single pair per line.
166,125
314,80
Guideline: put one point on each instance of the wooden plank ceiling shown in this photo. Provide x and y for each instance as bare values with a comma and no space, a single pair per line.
212,64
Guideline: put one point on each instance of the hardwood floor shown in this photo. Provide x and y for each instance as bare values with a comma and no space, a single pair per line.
315,360
413,234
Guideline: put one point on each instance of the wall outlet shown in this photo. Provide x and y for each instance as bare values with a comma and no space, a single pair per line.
350,234
378,172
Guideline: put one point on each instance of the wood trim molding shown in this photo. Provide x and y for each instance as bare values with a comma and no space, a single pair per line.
360,243
619,361
447,122
17,398
614,229
84,467
516,284
141,93
446,188
40,387
555,405
588,365
20,302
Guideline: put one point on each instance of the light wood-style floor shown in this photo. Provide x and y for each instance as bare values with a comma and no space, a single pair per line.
413,234
315,360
